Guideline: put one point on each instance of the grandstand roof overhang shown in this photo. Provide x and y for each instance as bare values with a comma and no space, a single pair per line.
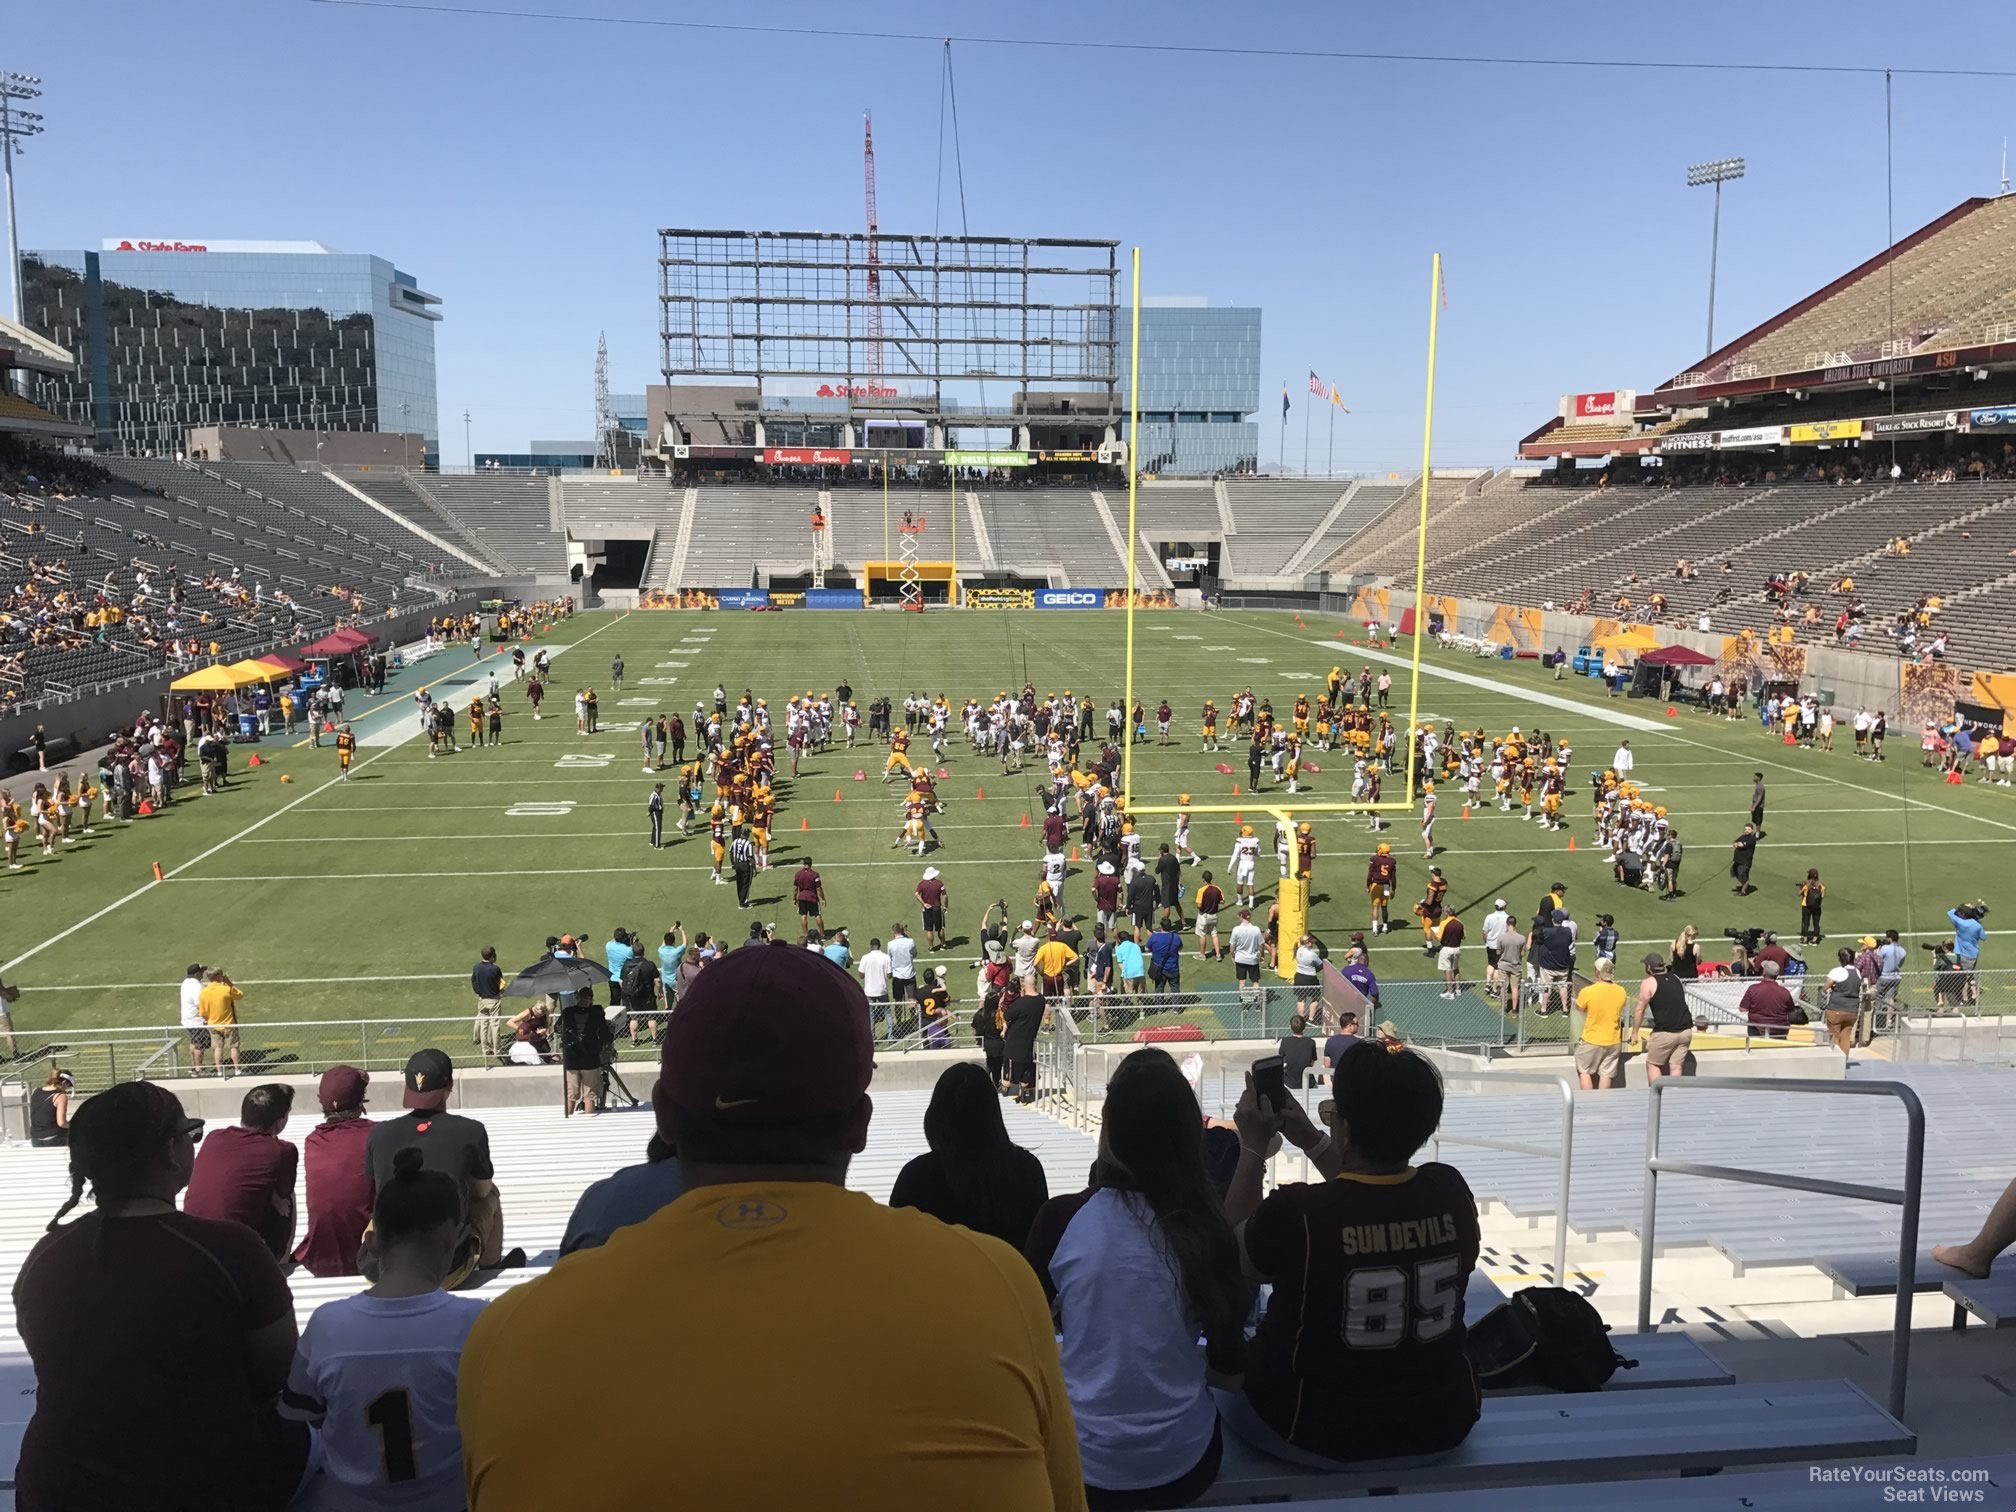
1917,364
25,349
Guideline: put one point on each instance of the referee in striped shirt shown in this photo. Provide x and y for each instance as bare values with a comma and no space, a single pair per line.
656,806
742,856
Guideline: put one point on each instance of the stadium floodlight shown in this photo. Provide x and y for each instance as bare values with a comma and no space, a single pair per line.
1719,172
16,126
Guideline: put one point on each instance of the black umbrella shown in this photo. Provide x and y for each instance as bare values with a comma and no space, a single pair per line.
555,976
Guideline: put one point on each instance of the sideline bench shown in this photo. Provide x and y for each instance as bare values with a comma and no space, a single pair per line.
1992,1300
1601,1435
1760,1491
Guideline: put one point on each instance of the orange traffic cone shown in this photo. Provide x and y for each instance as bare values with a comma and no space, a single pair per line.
1235,790
1571,842
1025,821
1671,712
804,825
980,795
1466,812
1238,818
253,759
157,871
836,795
1074,853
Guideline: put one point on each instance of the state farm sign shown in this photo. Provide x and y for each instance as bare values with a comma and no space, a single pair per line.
1594,406
856,391
817,456
161,246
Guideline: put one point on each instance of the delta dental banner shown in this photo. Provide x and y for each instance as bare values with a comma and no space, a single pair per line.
986,459
832,598
1070,598
742,598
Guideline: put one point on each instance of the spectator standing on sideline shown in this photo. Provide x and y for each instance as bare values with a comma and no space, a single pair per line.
1137,1267
972,1174
1339,1044
808,891
486,980
245,1174
640,983
1622,761
1022,1020
1601,1046
1812,898
763,1093
1742,855
1663,998
1968,933
584,1034
875,983
1766,1005
616,672
1298,1053
193,1024
1247,942
339,1183
376,1372
218,1002
1165,957
1843,1004
628,1196
931,899
1329,1371
452,1143
902,971
1757,803
1553,950
136,1295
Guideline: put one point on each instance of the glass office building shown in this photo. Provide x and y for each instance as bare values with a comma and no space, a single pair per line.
1200,388
288,335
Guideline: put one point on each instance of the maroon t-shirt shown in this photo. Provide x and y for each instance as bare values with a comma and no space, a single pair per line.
1210,899
1360,1355
1106,893
1053,831
339,1197
1452,932
931,892
136,1327
238,1173
805,885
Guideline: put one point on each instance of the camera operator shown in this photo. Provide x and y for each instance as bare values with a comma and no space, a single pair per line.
1968,932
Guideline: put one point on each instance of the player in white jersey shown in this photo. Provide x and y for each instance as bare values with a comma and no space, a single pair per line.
376,1372
1181,842
1053,873
1245,862
1428,819
1284,844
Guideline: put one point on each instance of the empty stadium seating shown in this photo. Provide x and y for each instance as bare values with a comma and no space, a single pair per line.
409,498
1274,517
514,515
1054,532
856,518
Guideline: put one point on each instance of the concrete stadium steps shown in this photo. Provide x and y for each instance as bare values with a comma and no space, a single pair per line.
406,497
1036,531
589,503
855,516
1275,517
511,513
1386,546
1169,511
544,1162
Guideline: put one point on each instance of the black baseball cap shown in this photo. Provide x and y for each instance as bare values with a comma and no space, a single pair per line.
430,1074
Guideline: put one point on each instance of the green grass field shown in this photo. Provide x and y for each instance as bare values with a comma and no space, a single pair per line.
370,899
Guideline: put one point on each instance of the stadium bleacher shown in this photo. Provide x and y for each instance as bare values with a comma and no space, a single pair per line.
514,515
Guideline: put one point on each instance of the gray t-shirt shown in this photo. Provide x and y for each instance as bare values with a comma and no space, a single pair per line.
1025,954
1246,942
903,957
1511,949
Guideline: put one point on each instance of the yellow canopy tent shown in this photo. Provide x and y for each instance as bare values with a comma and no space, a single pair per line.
212,679
249,672
1628,640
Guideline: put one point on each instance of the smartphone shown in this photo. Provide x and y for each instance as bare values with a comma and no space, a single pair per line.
1270,1080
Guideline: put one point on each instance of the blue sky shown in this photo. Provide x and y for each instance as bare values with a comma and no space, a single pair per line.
520,168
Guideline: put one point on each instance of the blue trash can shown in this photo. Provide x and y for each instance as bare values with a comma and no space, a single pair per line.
248,726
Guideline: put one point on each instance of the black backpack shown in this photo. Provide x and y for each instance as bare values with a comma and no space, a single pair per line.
1544,1336
631,980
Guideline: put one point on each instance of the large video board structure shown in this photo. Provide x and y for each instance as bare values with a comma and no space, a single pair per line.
892,318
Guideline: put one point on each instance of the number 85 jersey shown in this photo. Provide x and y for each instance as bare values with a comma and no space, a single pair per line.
1360,1354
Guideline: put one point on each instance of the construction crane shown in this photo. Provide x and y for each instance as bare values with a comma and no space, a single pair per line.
874,355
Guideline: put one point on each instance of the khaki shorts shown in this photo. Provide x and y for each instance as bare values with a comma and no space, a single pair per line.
583,1084
224,1036
1598,1061
1450,957
1668,1051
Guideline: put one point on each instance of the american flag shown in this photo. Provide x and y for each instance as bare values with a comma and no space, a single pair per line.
1317,386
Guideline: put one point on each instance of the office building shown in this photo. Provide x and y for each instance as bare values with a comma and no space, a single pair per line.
288,335
1200,388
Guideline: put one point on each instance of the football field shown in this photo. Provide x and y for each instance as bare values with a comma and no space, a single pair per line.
371,899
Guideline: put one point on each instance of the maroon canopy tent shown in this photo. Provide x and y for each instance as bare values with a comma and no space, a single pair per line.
337,643
1676,656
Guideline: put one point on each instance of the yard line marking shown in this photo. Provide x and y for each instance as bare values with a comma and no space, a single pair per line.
258,824
1631,722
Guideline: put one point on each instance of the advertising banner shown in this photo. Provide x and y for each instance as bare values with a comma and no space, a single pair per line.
832,598
1825,430
818,456
1601,406
1905,425
1071,598
1756,435
741,598
1688,441
1068,456
986,459
1992,419
1000,598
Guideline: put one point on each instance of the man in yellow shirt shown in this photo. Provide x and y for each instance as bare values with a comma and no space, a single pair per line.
752,1291
1601,1047
1053,963
218,1003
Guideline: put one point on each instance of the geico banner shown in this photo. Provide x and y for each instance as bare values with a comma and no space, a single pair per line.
1070,598
1825,430
832,598
742,598
1756,435
999,598
1905,425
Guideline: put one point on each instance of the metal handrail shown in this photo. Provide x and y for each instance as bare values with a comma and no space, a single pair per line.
1566,1152
1906,1197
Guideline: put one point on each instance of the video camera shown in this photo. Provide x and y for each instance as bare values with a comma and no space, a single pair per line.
1749,939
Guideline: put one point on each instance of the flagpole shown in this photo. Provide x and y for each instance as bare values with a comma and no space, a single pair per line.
1305,438
1284,428
1330,456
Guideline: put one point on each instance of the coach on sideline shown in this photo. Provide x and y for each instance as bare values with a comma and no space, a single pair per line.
763,1092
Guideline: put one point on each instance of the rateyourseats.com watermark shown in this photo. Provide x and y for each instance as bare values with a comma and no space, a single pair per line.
1911,1484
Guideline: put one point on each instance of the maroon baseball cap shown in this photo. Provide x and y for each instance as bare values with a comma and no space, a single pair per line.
342,1087
767,1034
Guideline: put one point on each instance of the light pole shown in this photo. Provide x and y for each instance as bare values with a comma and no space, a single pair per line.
1721,171
16,126
468,445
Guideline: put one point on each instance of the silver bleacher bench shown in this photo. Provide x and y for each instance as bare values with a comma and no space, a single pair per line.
1593,1436
1875,1275
1992,1300
1760,1491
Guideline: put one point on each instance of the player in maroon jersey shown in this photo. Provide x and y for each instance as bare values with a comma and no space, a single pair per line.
1360,1354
